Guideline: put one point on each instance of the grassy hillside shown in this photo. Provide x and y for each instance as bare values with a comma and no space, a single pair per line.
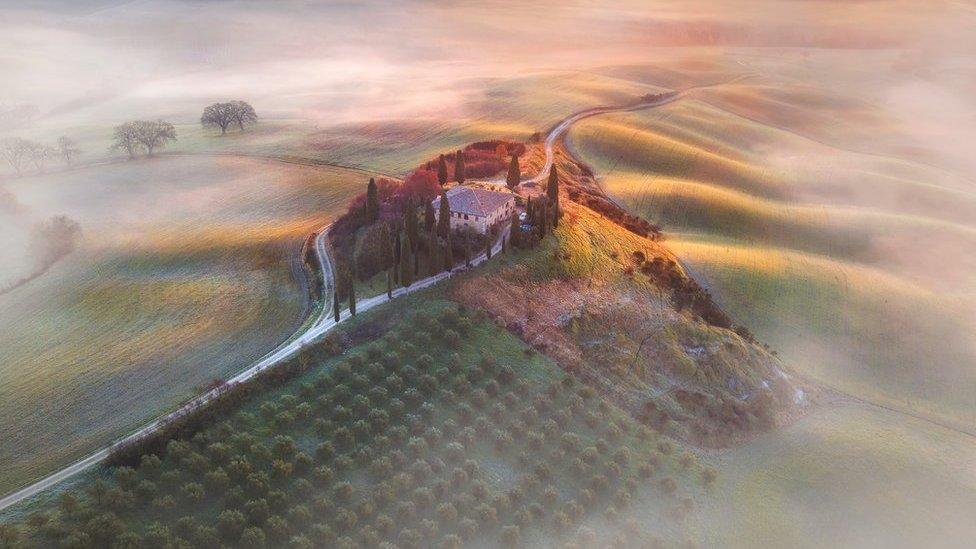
856,268
444,429
843,476
600,300
867,297
187,270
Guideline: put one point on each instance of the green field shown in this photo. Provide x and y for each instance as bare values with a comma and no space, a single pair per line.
438,427
187,270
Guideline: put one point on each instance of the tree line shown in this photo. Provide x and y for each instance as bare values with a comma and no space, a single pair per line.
20,153
134,137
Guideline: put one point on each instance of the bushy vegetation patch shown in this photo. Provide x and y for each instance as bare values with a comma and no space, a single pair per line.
445,431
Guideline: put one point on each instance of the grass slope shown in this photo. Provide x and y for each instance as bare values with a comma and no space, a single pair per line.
836,289
185,273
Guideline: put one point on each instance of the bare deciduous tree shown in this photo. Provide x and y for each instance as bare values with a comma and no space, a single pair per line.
67,149
222,115
40,154
218,115
154,134
16,151
243,113
126,140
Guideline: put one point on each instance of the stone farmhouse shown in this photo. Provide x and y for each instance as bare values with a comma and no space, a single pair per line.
475,208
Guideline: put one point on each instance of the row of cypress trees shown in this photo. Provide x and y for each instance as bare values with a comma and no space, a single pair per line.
459,176
543,215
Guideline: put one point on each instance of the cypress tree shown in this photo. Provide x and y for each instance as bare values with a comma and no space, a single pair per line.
444,217
406,272
389,283
448,253
552,188
396,257
352,297
429,217
552,191
529,214
515,231
488,248
467,251
335,306
372,202
442,171
411,224
543,219
434,261
459,167
504,245
514,176
416,262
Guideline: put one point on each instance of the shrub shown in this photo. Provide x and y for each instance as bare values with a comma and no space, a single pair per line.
277,528
451,541
253,537
343,492
149,465
511,535
323,535
709,475
467,528
452,338
277,498
346,519
303,488
193,492
125,477
622,456
409,538
257,511
549,495
281,470
299,516
428,528
405,511
145,491
506,375
230,524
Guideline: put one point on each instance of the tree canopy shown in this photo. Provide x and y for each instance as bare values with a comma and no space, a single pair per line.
223,115
142,135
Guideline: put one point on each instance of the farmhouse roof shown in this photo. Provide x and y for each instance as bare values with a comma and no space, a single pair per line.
474,201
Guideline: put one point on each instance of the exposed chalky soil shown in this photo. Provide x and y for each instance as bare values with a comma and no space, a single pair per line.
446,431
